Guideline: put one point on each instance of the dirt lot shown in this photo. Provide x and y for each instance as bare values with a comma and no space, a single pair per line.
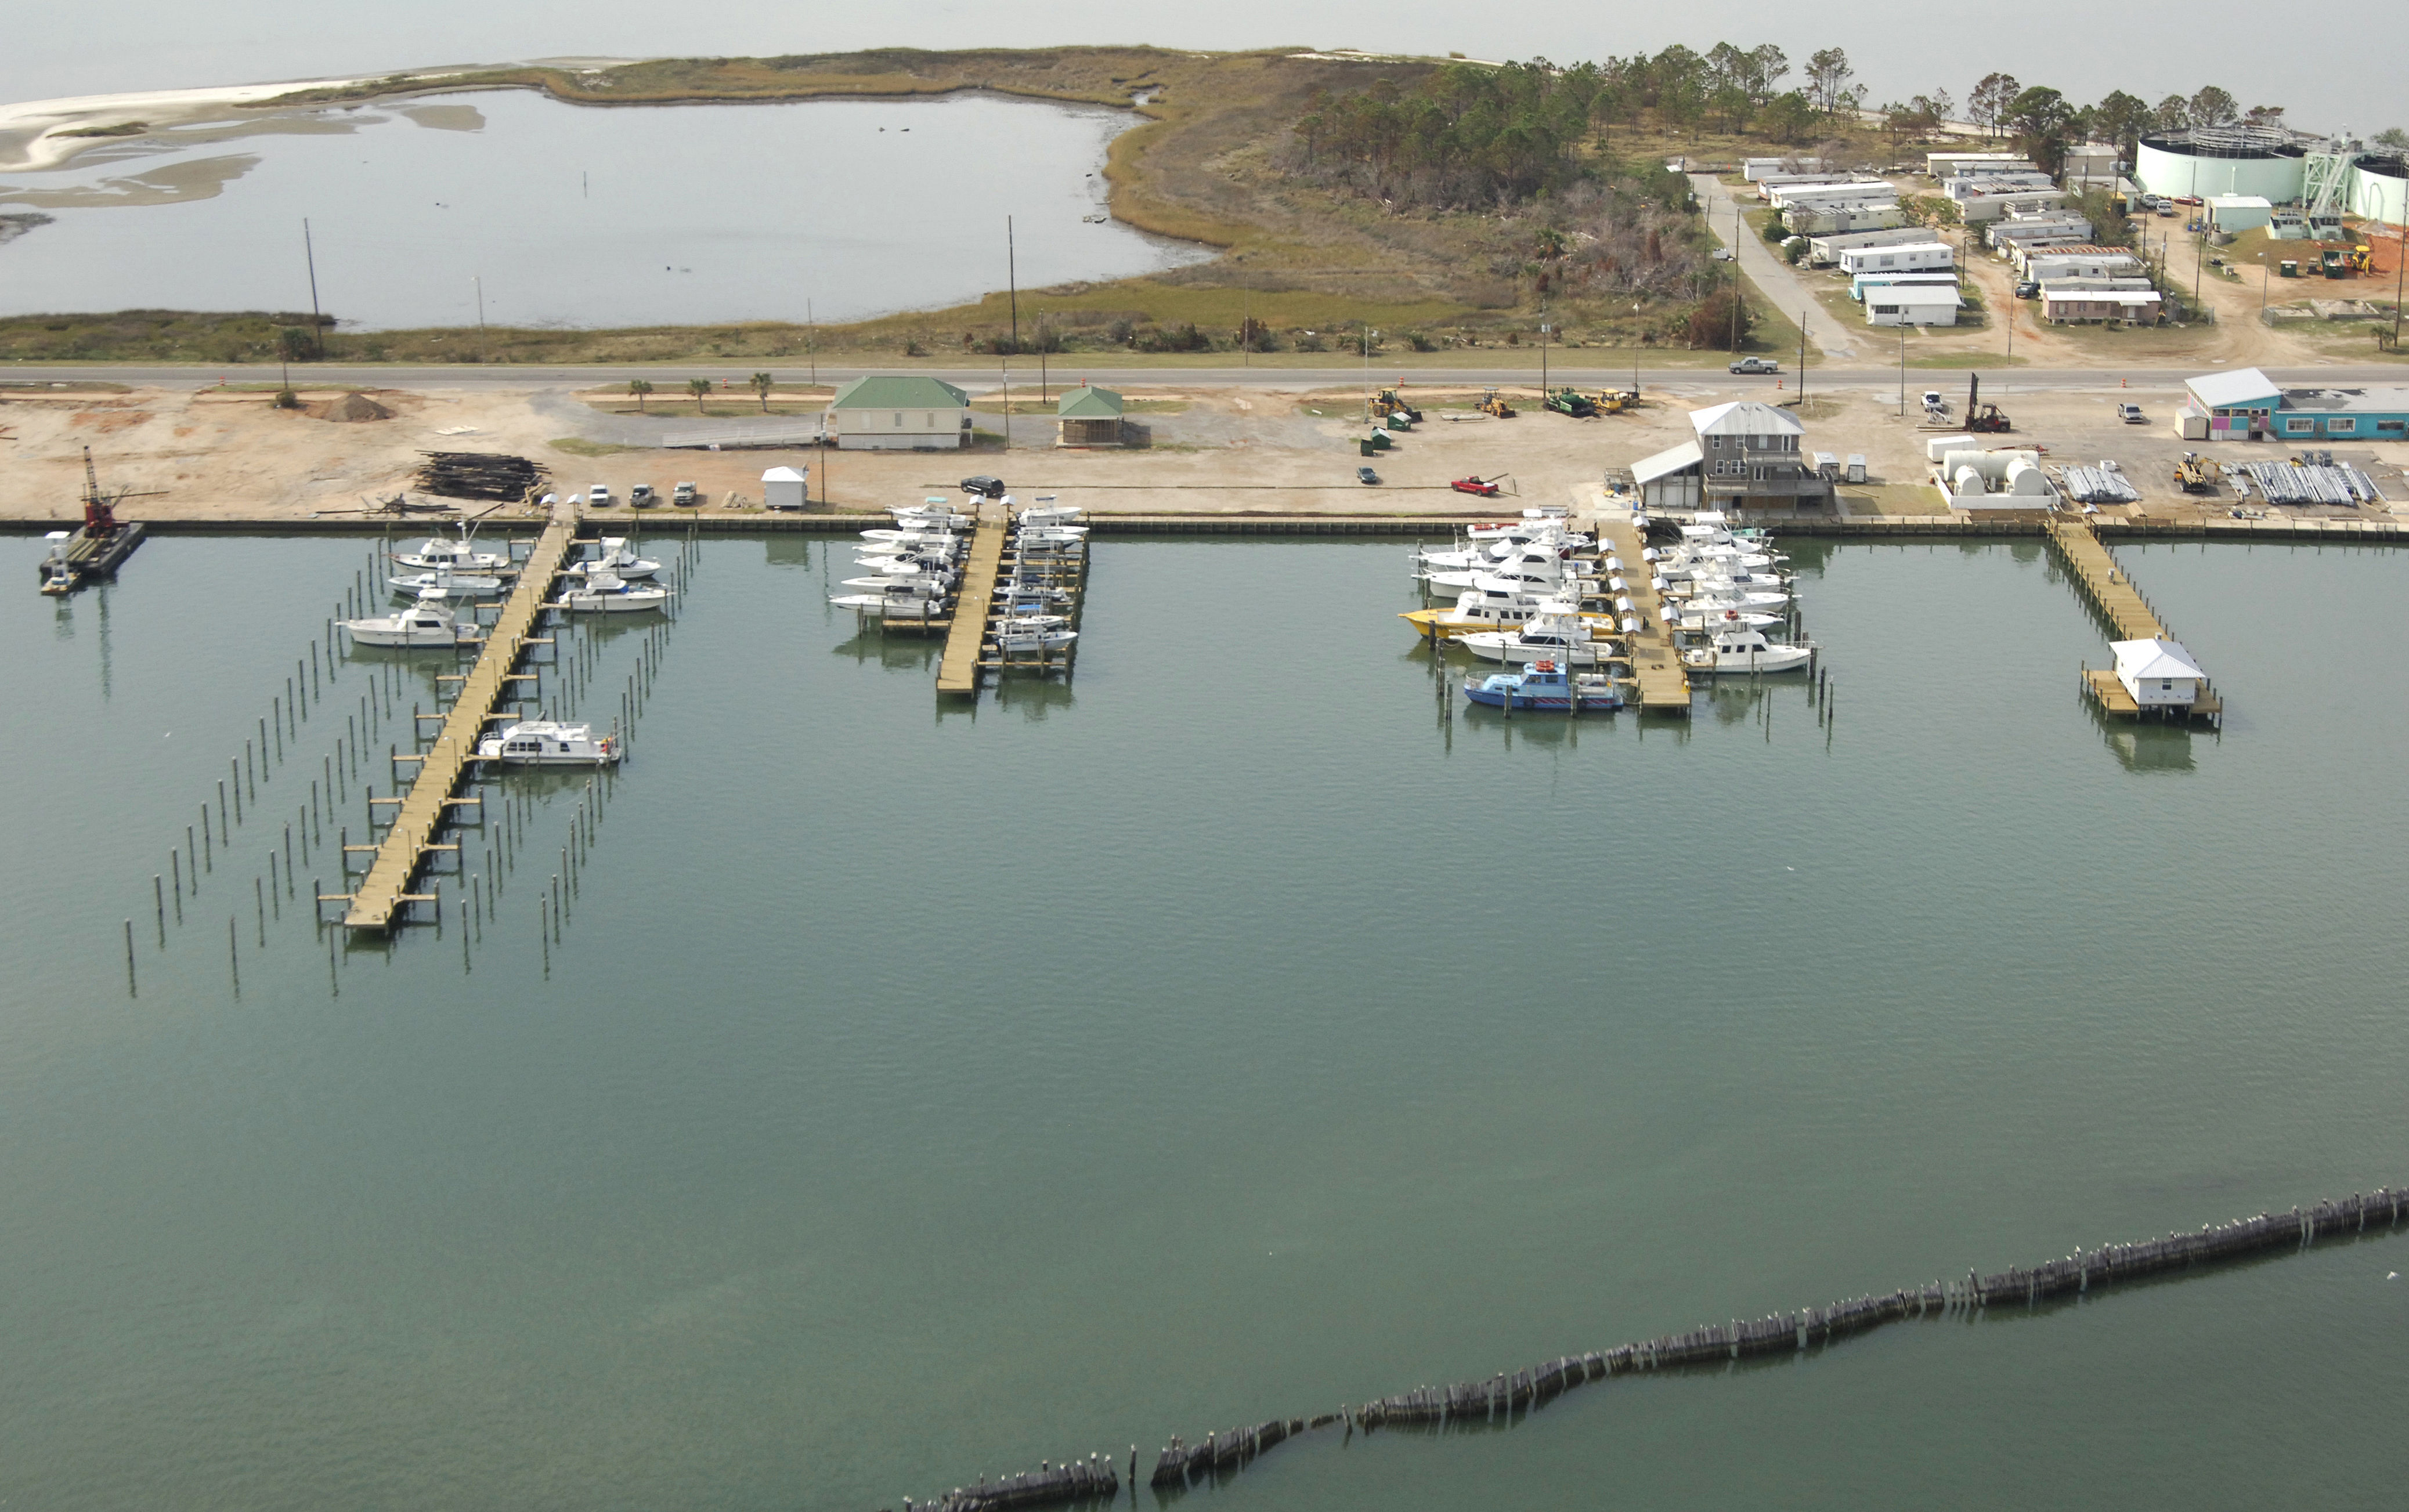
229,454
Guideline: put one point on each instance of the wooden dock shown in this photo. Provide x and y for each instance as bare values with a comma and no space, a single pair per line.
2103,582
957,670
1655,665
381,894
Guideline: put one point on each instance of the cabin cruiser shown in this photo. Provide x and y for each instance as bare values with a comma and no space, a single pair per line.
615,558
607,593
928,512
1677,617
1034,632
1546,686
1046,512
542,742
895,539
1555,633
442,551
1551,517
1535,567
1707,596
444,581
1741,650
429,622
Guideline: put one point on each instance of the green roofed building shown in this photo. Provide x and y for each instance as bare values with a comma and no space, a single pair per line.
1087,416
899,413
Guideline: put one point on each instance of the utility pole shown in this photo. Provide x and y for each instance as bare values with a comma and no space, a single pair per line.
1902,372
1802,361
1543,359
317,321
1012,274
812,341
1007,403
485,352
2399,271
1367,371
1246,328
1739,229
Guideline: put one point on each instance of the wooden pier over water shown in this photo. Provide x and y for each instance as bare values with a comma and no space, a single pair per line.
2130,615
1655,665
959,669
383,893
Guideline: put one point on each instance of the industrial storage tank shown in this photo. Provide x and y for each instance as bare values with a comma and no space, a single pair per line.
2200,161
2379,187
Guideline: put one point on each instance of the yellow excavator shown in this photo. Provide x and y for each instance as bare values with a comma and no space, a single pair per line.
1491,405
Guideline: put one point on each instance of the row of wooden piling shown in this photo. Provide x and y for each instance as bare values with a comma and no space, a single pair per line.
1091,1479
1502,1399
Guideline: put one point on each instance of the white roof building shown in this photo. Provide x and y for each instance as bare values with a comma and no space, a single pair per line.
2239,387
2158,671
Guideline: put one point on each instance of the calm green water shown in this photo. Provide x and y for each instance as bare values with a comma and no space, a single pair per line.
918,1095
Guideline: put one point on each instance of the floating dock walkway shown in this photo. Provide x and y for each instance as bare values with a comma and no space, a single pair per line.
958,671
2128,613
381,895
1656,664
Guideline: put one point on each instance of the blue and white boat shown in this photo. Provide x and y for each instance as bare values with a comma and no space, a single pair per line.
1546,687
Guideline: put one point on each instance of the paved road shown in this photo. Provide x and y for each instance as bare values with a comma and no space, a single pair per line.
983,379
1774,278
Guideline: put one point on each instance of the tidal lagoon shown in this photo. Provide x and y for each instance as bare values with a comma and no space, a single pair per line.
572,215
915,1093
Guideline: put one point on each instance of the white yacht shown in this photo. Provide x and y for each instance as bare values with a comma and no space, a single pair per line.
1025,633
443,551
542,742
1556,633
1742,651
933,584
616,558
429,622
607,593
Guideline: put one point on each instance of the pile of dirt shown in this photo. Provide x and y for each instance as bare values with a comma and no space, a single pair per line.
350,407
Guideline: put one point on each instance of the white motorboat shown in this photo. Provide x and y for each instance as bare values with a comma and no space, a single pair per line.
1742,651
443,551
1547,517
896,539
429,622
444,581
607,593
1711,598
1048,514
934,585
1065,535
544,742
897,604
615,558
1676,618
1487,609
929,515
1557,633
1034,632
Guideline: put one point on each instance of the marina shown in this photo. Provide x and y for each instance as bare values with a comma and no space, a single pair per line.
479,1084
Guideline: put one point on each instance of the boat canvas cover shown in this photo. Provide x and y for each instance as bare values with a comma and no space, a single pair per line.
1666,463
2142,660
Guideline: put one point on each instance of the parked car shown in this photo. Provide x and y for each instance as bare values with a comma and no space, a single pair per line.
2132,414
1366,475
642,497
985,487
684,496
1756,364
2028,289
600,497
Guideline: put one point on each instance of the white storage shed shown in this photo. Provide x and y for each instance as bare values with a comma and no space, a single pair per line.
786,488
1913,305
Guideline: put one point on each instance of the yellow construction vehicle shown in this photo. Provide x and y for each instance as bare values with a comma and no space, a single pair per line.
2361,258
1387,405
1615,401
1491,405
2197,474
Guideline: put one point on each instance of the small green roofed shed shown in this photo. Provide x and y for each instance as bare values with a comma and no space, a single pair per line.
900,412
1088,416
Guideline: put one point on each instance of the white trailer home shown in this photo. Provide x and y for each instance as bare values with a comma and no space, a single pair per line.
1826,250
1824,218
1912,257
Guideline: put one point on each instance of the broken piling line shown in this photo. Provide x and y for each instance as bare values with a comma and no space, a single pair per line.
1499,1399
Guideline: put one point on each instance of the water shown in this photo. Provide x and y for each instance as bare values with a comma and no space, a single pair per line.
573,215
916,1095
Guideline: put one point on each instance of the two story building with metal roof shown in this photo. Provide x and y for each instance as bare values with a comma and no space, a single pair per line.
899,413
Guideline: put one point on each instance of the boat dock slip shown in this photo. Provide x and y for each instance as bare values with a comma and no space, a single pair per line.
959,670
1655,665
380,894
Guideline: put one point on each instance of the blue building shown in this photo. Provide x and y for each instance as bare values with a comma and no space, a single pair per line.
2245,404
